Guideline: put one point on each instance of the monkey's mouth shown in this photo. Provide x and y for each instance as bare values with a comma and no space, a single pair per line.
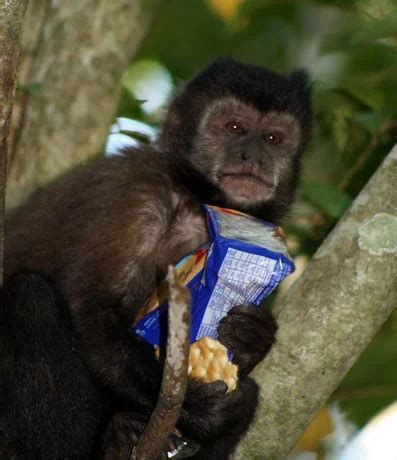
245,188
247,177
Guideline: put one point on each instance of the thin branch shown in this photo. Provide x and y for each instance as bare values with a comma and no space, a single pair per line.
363,393
328,317
11,19
174,383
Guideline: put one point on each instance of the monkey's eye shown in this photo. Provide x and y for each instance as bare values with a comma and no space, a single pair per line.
234,127
273,138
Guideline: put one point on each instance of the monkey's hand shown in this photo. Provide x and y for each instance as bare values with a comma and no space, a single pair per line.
122,433
249,332
209,412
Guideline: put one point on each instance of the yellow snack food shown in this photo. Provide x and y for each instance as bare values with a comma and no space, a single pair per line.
208,361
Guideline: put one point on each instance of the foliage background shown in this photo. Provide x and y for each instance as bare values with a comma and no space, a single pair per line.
349,49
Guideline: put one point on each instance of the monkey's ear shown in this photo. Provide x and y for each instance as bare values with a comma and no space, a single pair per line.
216,69
300,103
299,81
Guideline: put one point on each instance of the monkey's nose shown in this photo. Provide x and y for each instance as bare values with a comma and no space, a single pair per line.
252,149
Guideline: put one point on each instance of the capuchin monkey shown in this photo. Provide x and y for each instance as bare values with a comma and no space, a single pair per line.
105,234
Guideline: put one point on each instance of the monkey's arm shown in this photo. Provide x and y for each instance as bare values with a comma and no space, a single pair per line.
221,444
122,363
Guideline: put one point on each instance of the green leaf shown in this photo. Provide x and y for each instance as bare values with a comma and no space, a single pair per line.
376,29
327,198
370,96
371,121
371,385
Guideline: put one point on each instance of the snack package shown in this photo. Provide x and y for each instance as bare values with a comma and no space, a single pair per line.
243,263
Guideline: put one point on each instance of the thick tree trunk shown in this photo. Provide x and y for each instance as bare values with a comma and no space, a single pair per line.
328,317
11,19
73,56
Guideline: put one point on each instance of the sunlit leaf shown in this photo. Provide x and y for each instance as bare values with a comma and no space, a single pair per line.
149,82
376,9
226,9
341,127
319,427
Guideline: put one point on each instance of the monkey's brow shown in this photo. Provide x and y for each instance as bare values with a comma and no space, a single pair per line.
231,104
233,108
230,107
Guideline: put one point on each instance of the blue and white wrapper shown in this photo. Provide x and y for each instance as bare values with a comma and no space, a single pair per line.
245,260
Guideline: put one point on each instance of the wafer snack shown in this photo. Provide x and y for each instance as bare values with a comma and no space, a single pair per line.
209,361
243,263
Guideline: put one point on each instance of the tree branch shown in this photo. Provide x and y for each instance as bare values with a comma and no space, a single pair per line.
174,383
328,317
11,19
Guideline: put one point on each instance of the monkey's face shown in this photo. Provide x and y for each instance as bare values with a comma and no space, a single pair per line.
249,155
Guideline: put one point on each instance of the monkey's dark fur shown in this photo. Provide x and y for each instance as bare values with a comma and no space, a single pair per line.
106,233
46,390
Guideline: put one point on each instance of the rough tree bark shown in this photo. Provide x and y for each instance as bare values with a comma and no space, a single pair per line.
11,19
173,386
72,59
328,317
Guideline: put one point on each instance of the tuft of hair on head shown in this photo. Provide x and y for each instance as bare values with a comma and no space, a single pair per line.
257,86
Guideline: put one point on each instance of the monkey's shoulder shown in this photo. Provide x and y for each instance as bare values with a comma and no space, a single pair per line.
107,215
